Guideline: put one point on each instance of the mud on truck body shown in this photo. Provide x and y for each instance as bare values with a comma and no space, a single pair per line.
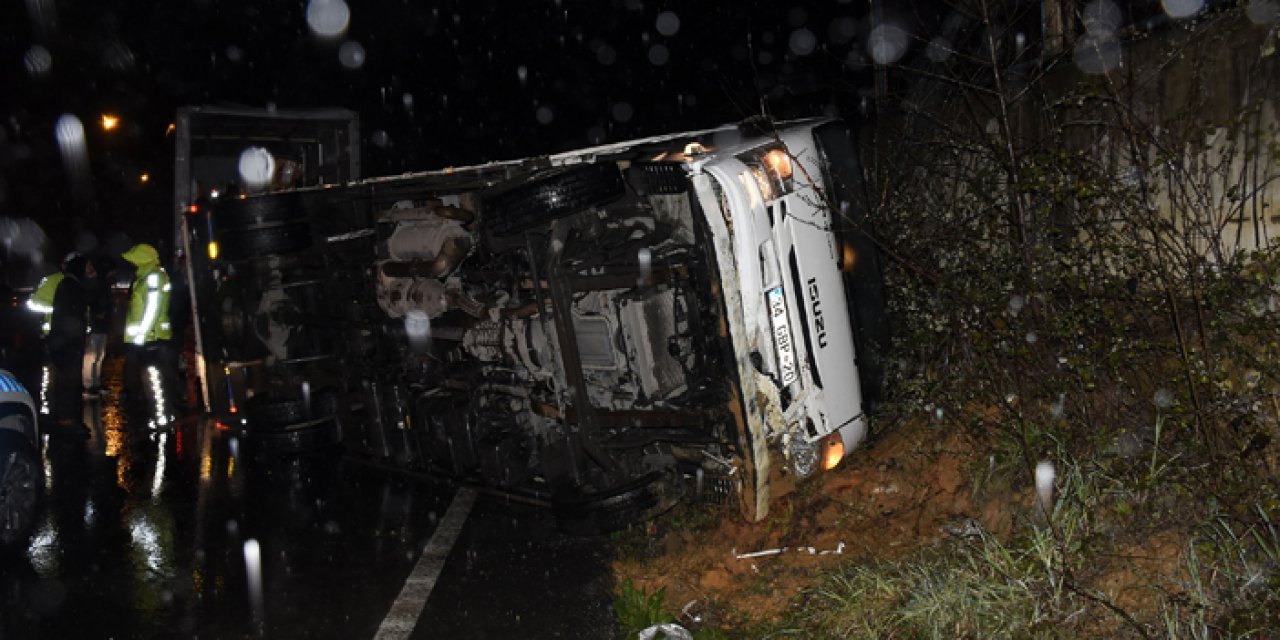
607,331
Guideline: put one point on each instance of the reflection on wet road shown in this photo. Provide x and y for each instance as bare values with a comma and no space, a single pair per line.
144,534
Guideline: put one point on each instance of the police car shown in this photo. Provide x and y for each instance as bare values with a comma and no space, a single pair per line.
20,468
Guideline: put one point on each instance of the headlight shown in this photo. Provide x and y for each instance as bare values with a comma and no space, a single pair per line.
779,164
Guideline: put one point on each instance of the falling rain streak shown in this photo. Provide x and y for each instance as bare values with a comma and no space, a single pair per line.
75,156
253,574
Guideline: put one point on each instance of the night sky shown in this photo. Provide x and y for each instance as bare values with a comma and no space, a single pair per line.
436,84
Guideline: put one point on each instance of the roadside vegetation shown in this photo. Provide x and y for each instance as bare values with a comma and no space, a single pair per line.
1084,290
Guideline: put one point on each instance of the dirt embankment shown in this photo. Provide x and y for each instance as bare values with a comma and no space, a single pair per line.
904,490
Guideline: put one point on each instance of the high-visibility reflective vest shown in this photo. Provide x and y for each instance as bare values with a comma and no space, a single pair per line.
41,301
148,317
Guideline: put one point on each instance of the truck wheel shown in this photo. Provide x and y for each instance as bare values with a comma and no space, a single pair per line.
550,194
258,213
637,501
20,485
269,412
246,244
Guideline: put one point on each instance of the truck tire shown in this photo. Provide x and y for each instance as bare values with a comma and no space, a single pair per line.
550,194
258,213
641,499
269,412
20,485
246,244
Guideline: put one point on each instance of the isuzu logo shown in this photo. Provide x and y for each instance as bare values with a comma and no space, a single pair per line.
816,305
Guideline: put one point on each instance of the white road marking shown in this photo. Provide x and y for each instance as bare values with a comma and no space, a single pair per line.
404,612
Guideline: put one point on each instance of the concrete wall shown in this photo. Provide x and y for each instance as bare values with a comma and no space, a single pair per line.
1191,113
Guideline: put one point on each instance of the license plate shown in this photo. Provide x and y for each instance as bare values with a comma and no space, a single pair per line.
782,335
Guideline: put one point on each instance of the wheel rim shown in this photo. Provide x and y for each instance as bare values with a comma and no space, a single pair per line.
17,496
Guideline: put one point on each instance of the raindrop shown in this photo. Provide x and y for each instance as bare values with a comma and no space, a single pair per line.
1059,407
351,54
328,18
668,23
417,327
70,131
43,13
1179,9
233,527
407,99
887,43
658,55
38,61
622,112
522,74
803,42
606,55
1163,398
595,135
1101,18
1032,338
380,139
1044,485
545,115
118,57
842,30
939,49
1096,55
234,53
257,165
253,574
1016,303
1263,11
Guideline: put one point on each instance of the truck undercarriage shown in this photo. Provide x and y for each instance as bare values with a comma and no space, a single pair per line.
562,332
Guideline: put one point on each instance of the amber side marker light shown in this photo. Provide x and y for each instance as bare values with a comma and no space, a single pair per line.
848,257
832,451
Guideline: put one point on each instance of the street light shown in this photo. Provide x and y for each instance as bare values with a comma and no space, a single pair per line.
110,122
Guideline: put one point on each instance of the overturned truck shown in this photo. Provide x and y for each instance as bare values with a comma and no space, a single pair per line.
607,331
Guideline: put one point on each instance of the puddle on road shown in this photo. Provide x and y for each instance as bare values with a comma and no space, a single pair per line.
143,532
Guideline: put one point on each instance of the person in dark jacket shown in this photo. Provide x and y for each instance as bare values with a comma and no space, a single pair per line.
68,324
99,274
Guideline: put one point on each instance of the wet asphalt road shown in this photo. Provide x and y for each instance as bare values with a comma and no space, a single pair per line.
143,535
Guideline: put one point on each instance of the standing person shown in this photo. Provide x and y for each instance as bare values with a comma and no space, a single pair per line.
99,275
41,302
146,329
68,324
